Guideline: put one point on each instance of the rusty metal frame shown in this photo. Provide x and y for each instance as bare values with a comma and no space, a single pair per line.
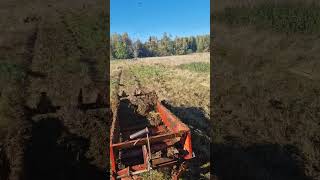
177,129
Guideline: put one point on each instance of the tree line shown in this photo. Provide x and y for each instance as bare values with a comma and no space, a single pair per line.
122,46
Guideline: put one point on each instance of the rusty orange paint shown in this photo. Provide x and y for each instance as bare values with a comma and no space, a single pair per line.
112,162
188,146
178,133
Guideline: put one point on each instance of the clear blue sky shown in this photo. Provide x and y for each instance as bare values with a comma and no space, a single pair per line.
142,18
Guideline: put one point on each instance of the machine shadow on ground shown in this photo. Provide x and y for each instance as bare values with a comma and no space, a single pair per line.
199,166
259,161
55,153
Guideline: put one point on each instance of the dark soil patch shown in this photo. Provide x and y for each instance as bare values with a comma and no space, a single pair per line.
92,66
128,117
260,161
55,153
31,46
36,74
31,19
4,163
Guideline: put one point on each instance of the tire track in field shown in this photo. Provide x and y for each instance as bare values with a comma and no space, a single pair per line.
100,83
19,133
75,148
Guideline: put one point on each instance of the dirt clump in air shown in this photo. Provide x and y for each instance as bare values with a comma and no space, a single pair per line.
145,105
